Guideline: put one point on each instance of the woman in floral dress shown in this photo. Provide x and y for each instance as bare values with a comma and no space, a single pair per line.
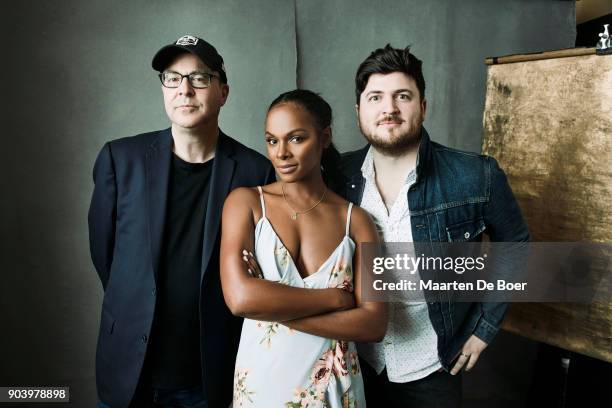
289,265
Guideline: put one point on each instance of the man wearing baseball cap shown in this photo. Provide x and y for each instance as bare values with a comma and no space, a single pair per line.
166,336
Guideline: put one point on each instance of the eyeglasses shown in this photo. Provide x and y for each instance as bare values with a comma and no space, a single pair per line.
198,80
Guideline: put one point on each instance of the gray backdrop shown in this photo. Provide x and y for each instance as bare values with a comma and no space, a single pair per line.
79,74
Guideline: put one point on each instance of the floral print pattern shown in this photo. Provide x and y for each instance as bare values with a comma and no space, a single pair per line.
241,393
281,367
354,363
282,255
348,401
341,275
270,329
335,362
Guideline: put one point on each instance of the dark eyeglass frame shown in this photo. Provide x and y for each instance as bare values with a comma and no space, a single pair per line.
189,78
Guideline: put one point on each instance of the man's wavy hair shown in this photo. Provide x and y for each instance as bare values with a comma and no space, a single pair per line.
386,61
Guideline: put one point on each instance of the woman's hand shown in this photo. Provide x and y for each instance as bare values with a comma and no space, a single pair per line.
252,266
262,299
366,321
346,299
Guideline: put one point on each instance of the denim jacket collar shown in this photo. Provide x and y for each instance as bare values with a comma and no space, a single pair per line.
352,162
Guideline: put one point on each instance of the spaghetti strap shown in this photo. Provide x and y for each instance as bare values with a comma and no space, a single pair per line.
263,205
266,363
348,218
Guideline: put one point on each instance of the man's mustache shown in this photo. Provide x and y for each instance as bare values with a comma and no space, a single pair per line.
390,118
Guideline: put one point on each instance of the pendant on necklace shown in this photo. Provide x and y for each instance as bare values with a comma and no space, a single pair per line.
294,216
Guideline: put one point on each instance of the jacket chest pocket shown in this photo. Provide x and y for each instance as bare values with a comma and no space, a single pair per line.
465,231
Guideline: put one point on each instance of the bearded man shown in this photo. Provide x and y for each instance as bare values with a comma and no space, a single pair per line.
417,190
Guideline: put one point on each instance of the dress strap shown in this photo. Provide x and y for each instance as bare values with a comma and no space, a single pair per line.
263,205
348,218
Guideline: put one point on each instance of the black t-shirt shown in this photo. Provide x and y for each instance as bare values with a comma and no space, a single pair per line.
175,344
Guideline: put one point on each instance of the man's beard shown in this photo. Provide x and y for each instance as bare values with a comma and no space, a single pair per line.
398,145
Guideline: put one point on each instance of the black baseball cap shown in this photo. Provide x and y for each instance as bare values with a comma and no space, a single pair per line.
198,47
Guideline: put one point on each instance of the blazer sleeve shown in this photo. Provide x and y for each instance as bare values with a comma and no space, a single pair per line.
103,214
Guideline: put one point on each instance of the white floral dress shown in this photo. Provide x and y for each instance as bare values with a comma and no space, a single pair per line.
278,367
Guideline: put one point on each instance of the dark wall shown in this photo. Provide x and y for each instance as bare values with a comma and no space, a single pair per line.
79,74
452,38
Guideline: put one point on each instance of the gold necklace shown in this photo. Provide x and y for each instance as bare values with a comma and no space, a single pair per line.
295,214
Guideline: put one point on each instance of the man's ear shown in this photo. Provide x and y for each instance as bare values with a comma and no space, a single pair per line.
224,93
424,108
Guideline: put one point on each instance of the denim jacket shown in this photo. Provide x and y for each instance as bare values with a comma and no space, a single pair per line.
457,196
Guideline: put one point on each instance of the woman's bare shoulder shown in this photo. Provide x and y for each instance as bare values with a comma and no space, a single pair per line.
242,197
361,223
360,215
336,199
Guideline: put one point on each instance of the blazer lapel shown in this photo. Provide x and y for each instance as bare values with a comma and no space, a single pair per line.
223,170
158,161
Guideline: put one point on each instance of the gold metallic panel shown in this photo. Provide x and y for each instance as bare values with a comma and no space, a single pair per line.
549,124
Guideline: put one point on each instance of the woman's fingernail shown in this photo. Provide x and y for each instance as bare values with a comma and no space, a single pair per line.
245,259
244,252
250,253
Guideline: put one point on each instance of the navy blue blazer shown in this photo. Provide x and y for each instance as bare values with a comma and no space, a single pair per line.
126,224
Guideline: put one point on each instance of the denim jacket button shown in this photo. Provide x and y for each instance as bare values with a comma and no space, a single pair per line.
466,235
352,186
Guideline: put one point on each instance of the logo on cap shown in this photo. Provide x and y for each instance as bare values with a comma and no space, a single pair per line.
187,40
